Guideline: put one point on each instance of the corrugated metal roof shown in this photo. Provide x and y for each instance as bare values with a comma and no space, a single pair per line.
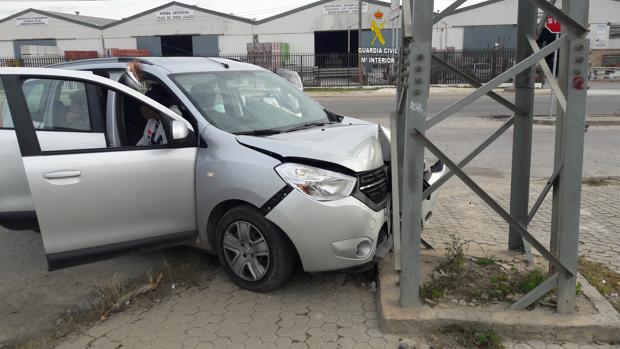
99,21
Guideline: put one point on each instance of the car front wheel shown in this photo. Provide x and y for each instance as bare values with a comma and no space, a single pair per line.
255,253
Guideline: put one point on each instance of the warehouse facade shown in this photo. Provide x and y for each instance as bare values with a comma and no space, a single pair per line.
180,29
493,24
321,28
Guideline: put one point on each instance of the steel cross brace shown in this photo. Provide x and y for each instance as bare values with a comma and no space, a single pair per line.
430,190
448,11
492,203
550,183
549,74
475,83
488,87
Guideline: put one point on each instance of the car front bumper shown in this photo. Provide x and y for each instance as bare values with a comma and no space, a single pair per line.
329,235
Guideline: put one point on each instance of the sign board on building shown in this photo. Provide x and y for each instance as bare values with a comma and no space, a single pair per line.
599,35
32,20
394,9
553,25
343,8
174,14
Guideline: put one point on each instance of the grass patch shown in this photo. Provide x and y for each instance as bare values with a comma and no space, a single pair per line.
605,280
530,280
486,261
478,281
461,337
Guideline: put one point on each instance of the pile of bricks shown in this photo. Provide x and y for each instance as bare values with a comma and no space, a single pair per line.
74,55
118,52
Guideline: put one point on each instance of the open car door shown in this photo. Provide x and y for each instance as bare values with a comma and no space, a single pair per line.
94,200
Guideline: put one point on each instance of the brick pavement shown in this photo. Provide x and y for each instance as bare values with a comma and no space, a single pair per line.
337,310
461,212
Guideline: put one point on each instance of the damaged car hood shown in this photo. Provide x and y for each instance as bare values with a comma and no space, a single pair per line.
357,146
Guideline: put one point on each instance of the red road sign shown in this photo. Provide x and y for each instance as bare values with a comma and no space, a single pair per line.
552,25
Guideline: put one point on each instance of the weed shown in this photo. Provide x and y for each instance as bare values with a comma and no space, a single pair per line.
486,339
455,254
530,280
486,261
579,288
459,336
449,272
605,280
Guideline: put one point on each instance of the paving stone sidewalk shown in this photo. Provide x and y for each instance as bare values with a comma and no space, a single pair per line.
459,211
337,310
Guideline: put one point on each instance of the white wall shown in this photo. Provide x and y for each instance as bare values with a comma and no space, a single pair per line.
448,37
313,19
202,23
56,29
234,43
124,43
80,45
7,49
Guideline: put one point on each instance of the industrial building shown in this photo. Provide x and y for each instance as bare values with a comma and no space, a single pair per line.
493,24
320,28
180,29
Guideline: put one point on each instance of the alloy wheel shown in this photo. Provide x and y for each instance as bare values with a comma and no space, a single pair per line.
246,251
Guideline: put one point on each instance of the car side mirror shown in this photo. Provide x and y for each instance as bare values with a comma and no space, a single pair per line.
180,131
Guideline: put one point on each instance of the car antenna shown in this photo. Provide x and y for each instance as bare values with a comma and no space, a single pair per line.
218,62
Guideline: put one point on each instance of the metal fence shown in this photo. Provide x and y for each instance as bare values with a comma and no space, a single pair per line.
341,69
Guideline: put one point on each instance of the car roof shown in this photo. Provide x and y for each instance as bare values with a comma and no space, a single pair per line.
174,65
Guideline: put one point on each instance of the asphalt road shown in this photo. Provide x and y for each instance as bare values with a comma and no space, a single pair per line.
379,106
461,133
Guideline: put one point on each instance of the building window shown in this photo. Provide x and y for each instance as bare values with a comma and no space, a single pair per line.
614,31
611,61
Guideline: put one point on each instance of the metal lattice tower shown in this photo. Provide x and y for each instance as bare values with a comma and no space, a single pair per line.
410,122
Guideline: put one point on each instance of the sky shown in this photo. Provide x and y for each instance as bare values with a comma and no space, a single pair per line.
118,9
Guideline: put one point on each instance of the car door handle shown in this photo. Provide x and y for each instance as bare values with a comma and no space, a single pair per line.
62,174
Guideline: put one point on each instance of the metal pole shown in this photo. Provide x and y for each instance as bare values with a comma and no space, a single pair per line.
570,128
359,42
522,138
349,40
552,103
413,158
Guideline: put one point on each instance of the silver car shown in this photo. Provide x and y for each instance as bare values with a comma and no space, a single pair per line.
247,167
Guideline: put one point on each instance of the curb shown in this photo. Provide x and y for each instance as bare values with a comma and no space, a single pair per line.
602,326
592,120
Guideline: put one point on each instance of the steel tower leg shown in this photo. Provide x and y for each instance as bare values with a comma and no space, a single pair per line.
569,142
413,156
522,138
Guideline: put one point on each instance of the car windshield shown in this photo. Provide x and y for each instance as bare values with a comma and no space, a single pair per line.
250,101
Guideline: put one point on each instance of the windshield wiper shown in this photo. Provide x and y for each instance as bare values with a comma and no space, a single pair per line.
266,132
309,125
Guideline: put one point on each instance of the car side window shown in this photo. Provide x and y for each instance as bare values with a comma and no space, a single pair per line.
58,105
66,114
6,122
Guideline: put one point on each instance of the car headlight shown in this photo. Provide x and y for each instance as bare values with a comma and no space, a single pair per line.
319,184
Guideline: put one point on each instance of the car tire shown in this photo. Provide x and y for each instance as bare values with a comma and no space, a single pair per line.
253,251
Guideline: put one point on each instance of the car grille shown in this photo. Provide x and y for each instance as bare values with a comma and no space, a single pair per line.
374,185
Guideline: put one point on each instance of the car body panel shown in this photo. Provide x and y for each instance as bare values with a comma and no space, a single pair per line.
313,226
89,198
360,152
14,192
118,197
227,170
